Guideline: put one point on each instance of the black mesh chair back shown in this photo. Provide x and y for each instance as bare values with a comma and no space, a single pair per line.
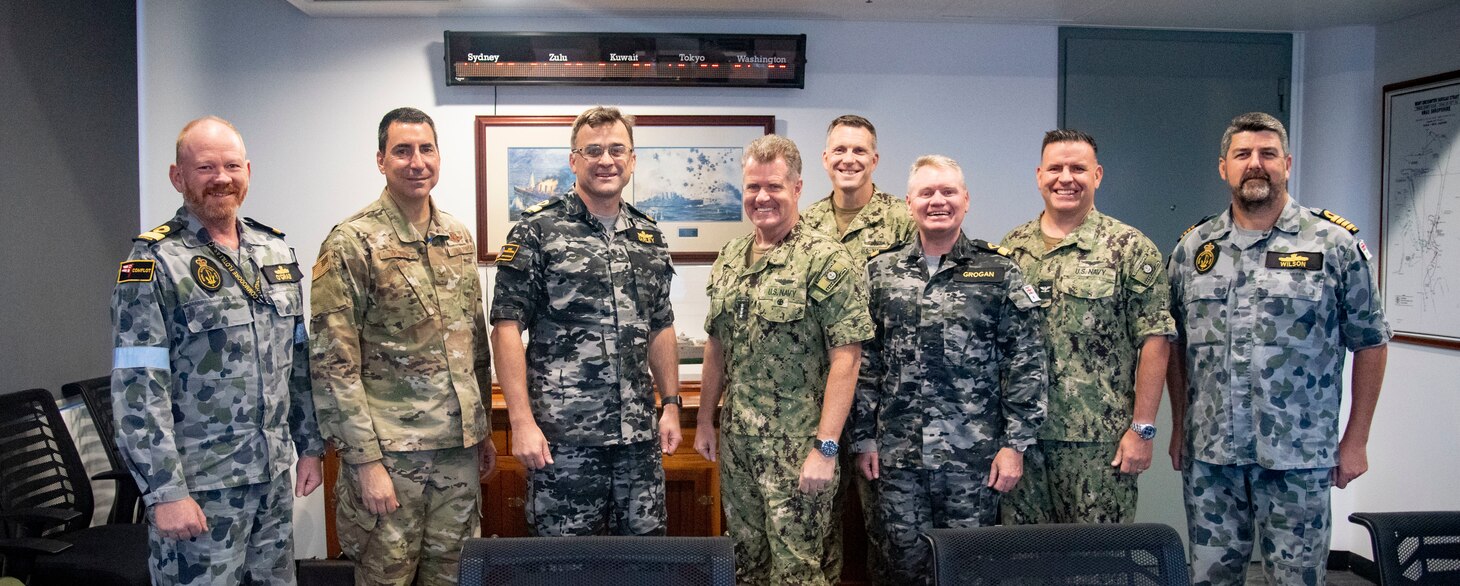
127,506
1141,554
1414,547
39,466
598,561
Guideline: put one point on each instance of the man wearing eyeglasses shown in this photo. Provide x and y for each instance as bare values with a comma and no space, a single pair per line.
587,277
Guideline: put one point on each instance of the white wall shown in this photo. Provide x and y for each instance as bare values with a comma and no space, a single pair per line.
307,94
1413,440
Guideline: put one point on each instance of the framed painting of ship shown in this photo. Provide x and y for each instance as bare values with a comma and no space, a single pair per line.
687,176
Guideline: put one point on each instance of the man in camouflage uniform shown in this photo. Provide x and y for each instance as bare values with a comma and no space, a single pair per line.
587,276
952,387
1268,296
1107,324
868,222
401,369
788,313
210,381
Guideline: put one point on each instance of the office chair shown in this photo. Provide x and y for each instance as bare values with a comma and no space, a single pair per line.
598,561
46,505
1136,554
1414,547
127,505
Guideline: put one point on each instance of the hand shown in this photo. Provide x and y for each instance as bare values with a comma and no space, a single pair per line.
308,474
1007,469
817,473
377,492
179,519
705,439
869,465
530,447
1133,456
1353,462
489,459
669,434
1178,445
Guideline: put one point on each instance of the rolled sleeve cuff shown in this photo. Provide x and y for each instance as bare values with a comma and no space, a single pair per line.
165,494
864,446
363,455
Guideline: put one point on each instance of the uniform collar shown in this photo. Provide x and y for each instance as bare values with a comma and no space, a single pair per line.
1289,220
403,228
872,214
195,235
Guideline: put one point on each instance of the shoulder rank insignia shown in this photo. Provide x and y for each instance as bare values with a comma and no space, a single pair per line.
1193,227
509,252
1337,219
160,232
991,247
542,205
261,226
1206,257
136,271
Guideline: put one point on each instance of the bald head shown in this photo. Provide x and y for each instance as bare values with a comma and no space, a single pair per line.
207,128
212,171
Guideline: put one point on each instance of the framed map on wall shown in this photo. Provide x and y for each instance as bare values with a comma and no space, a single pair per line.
687,176
1421,210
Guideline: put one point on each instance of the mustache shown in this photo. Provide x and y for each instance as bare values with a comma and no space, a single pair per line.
1250,175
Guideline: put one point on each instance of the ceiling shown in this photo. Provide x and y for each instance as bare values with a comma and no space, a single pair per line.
1247,15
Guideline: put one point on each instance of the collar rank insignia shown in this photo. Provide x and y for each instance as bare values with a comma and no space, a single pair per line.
136,271
206,274
1308,261
284,273
1206,258
649,237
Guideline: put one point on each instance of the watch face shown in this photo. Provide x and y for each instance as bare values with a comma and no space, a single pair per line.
827,448
1145,431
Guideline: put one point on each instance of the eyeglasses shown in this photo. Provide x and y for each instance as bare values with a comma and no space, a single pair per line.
594,151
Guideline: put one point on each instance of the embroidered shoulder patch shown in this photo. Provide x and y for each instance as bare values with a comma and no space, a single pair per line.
136,271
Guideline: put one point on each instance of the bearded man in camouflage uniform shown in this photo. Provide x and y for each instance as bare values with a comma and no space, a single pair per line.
1107,324
210,383
587,276
1268,296
868,222
952,387
401,369
788,313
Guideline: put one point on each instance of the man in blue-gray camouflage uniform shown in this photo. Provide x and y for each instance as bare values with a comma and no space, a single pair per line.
587,275
1268,297
210,381
952,388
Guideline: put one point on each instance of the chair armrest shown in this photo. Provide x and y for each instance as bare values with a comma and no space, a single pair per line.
32,546
38,519
117,475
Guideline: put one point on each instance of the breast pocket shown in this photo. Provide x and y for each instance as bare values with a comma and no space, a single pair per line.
220,345
773,321
398,301
1205,310
1290,310
1086,302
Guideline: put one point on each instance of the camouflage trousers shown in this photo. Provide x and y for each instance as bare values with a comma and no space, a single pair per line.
440,507
871,521
250,538
914,500
599,490
1071,482
1287,511
779,531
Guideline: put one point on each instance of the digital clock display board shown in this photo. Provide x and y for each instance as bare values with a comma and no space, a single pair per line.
714,60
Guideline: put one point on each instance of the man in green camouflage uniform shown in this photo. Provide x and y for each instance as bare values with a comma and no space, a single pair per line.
952,387
210,381
1107,324
587,276
868,222
401,369
788,313
1268,296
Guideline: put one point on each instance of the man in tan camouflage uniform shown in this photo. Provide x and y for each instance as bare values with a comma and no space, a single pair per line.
401,369
952,387
868,222
210,381
788,313
1268,296
587,276
1107,325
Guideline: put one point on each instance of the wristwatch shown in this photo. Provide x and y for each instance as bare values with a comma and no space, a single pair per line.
827,448
675,400
1145,430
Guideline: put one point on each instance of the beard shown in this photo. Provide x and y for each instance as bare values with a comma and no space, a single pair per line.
216,207
1256,191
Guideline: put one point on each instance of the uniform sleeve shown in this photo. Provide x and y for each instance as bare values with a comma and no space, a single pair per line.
1025,370
303,427
520,287
1360,308
839,298
338,286
662,314
1148,297
481,354
713,323
142,381
867,400
1177,286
